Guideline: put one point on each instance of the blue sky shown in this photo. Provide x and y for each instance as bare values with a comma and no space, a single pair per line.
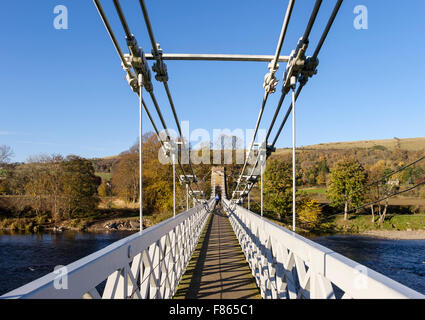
63,91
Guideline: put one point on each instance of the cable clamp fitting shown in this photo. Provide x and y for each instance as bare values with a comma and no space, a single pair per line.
130,77
295,64
309,70
138,61
159,66
270,81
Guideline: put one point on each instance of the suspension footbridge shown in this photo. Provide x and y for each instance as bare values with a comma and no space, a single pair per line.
217,250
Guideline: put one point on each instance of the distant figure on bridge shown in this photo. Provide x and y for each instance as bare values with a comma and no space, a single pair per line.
217,199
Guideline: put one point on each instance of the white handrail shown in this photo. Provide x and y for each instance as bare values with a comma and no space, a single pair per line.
147,264
287,265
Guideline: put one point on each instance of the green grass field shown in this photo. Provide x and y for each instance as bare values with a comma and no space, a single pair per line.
104,175
314,190
361,223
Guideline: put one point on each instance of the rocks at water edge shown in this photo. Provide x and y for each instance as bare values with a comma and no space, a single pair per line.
128,225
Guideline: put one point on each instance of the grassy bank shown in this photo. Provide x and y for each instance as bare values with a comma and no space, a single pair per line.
357,223
363,223
110,215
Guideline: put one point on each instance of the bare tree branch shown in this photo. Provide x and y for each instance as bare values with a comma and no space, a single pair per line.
6,154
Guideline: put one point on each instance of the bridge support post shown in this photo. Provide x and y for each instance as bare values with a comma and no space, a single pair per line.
187,196
174,184
294,191
140,80
262,181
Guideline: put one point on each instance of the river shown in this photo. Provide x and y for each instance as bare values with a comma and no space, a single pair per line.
400,260
26,257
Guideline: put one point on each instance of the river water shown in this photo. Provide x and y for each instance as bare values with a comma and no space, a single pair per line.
400,260
26,257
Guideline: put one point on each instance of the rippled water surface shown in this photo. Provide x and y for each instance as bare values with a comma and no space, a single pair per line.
24,258
401,260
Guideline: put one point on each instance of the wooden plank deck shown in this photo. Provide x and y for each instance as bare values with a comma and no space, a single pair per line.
218,269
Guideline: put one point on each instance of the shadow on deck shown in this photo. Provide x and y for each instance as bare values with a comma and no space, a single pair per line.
218,269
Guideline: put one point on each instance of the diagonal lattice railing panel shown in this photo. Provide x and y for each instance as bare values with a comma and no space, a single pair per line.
146,265
287,265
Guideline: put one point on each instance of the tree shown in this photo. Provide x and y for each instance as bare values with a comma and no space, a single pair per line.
379,187
79,185
103,189
6,154
41,180
345,186
157,178
310,213
125,177
278,188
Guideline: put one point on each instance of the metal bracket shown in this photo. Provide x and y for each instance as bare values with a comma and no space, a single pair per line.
270,81
295,64
138,61
187,178
170,149
269,150
159,66
309,70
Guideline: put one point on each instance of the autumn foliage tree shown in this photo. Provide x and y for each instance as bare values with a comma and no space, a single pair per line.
54,185
310,213
346,183
125,177
157,177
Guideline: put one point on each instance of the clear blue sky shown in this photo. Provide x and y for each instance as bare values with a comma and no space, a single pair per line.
63,91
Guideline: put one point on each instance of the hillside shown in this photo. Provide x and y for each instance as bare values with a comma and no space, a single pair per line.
409,144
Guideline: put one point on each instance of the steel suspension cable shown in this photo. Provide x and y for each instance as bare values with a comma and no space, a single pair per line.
152,95
305,37
316,52
109,30
327,29
273,69
157,57
288,112
125,63
312,20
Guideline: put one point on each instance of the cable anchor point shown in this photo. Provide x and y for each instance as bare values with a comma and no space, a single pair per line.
138,62
270,81
295,64
159,67
309,70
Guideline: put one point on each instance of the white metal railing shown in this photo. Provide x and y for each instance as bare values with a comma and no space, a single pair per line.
144,265
287,265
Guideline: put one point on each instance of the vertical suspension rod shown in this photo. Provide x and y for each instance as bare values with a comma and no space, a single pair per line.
167,89
140,80
294,191
266,94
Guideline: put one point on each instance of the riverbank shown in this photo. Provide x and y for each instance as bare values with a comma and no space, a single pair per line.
33,225
112,214
395,234
97,222
395,226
